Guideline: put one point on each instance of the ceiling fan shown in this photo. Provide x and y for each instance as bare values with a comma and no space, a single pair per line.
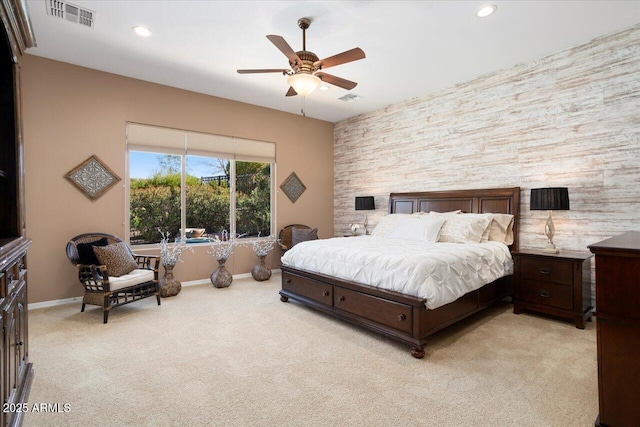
306,69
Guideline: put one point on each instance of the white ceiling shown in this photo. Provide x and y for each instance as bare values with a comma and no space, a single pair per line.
413,48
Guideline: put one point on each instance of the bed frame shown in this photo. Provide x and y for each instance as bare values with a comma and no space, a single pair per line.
398,316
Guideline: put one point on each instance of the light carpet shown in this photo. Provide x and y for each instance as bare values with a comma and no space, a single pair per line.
240,357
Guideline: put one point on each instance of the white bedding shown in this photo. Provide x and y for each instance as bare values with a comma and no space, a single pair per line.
438,272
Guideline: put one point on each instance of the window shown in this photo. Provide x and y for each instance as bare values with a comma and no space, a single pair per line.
181,180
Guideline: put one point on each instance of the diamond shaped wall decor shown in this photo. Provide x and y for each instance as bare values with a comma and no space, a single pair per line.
293,187
92,177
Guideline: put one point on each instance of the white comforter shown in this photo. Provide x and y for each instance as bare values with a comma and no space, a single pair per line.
438,272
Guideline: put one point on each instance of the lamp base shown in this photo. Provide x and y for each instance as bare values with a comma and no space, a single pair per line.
551,249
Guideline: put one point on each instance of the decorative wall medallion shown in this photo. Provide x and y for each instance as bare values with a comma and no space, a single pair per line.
293,187
92,177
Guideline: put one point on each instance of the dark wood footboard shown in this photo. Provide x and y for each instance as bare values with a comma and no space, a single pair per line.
401,317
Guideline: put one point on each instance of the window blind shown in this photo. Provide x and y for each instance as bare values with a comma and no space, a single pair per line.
175,141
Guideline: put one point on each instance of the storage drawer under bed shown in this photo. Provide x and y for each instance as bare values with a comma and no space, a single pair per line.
389,313
308,288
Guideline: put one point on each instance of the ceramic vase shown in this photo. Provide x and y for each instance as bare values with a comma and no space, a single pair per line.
221,278
169,285
260,271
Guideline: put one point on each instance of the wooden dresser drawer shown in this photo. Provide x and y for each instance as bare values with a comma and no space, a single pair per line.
308,288
547,294
547,270
9,279
385,312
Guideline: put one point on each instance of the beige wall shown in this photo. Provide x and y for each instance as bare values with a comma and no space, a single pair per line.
72,112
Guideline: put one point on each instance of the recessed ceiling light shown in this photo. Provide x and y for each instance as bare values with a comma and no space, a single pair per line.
486,10
142,31
324,88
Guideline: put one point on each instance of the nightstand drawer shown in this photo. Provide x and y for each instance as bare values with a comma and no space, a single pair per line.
547,270
547,294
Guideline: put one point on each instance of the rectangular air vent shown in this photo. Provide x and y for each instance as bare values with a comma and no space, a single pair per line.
71,12
350,97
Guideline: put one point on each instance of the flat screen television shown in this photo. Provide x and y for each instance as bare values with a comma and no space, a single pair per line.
9,164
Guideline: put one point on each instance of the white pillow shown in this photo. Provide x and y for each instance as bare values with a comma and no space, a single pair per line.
420,228
465,228
386,224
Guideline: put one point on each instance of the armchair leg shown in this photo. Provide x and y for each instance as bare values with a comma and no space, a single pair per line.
82,309
158,298
105,308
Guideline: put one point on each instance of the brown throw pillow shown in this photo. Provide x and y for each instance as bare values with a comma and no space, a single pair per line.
302,235
117,258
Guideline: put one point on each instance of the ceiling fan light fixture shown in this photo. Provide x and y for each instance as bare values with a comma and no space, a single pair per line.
303,83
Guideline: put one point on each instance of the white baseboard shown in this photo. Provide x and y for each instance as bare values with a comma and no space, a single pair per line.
53,303
75,300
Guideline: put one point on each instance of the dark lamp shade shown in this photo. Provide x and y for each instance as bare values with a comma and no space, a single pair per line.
365,203
549,199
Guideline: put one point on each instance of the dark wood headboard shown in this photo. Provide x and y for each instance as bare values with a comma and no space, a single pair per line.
492,200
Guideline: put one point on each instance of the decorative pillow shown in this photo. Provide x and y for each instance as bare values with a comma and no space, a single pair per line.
501,229
465,228
420,228
117,258
302,235
387,224
85,251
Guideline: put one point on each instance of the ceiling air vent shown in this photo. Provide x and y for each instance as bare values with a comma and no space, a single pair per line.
350,97
71,12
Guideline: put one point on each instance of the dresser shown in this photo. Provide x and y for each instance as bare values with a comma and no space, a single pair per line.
554,284
15,369
618,329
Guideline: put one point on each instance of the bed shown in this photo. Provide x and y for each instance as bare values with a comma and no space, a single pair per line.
398,315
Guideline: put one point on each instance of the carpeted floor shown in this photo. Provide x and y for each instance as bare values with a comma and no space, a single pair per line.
240,357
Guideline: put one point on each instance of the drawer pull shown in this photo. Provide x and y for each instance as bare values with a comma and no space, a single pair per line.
341,298
401,317
288,280
545,270
545,294
325,294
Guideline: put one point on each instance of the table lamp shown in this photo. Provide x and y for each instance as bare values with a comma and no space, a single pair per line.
366,203
549,199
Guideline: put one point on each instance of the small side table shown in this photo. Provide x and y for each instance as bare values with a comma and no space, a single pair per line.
554,284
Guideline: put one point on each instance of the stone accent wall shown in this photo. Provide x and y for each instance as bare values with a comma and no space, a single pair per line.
570,119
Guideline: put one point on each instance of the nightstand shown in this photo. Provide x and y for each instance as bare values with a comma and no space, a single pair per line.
554,284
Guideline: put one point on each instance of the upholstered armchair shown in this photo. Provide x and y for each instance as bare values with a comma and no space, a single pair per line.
295,233
111,273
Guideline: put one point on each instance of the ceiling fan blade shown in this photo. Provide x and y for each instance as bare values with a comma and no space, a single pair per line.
284,47
337,81
291,92
341,58
267,70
